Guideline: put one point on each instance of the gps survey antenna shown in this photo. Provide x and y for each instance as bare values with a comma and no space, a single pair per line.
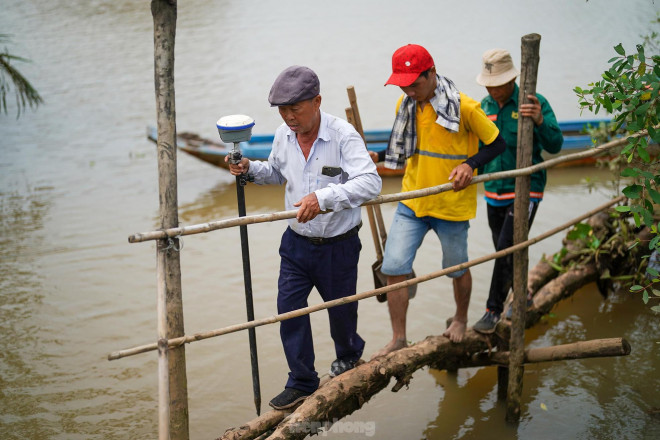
237,129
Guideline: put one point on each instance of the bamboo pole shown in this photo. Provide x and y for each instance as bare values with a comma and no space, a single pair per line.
350,117
374,213
163,349
352,99
170,324
163,391
529,71
384,198
175,342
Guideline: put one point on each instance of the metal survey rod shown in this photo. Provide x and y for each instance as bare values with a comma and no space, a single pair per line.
236,129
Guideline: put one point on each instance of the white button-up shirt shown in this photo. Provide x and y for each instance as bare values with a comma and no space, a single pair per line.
337,145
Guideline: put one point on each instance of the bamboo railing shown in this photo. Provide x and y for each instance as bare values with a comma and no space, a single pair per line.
386,198
176,342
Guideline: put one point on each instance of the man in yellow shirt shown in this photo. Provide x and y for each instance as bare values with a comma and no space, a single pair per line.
436,136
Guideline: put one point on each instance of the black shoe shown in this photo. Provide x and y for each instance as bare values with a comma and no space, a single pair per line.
487,323
340,366
288,398
509,311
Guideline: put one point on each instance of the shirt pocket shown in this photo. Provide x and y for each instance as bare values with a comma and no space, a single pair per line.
323,181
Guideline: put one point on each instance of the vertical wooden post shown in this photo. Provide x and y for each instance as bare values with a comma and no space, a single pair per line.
502,373
164,14
163,389
529,69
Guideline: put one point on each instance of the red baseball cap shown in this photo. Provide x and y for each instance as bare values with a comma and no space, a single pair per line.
407,63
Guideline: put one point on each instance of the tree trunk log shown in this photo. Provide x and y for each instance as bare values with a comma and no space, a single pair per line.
576,350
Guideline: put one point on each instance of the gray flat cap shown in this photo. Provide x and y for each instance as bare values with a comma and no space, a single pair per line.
294,84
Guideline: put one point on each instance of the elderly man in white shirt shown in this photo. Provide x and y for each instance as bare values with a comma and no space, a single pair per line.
326,167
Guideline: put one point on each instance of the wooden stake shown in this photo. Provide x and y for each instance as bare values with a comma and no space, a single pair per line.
164,14
163,391
352,99
529,64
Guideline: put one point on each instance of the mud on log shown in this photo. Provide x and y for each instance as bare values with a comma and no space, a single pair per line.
345,394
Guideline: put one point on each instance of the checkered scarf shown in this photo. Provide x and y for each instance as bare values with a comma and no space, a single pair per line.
403,141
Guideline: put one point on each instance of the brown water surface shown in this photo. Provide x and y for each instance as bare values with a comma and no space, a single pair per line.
78,176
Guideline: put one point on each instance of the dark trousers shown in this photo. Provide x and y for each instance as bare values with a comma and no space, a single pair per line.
332,269
500,220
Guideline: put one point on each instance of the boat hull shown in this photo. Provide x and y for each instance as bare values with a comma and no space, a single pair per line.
258,148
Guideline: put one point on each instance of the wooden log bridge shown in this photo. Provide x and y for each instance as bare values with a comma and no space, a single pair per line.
345,394
350,391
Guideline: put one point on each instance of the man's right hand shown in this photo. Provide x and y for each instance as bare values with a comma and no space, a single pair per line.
238,168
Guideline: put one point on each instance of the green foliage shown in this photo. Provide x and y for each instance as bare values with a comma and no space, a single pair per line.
26,95
630,91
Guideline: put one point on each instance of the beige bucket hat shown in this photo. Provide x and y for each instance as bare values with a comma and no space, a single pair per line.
497,68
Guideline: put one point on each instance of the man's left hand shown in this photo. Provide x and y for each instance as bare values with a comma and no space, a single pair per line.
462,176
532,110
309,208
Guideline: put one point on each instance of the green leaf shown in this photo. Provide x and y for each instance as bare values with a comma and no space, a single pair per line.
655,195
619,49
623,208
579,231
641,69
636,288
642,109
645,297
640,53
655,134
633,191
630,172
555,266
647,215
654,242
657,310
627,149
647,176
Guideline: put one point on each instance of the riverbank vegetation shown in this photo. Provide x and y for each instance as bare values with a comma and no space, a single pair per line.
630,91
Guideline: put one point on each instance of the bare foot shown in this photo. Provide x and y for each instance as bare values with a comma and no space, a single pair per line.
456,330
394,345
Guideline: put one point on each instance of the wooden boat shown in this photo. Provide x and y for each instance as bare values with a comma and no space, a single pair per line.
258,148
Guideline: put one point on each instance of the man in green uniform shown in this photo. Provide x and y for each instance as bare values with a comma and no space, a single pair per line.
498,75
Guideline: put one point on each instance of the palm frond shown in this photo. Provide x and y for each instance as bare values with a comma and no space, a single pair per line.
26,94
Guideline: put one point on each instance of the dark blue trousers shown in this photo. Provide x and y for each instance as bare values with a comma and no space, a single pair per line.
500,220
332,269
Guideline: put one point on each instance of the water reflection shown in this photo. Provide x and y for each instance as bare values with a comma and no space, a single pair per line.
22,213
608,395
221,202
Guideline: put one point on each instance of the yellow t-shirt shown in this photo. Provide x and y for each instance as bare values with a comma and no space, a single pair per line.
439,152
